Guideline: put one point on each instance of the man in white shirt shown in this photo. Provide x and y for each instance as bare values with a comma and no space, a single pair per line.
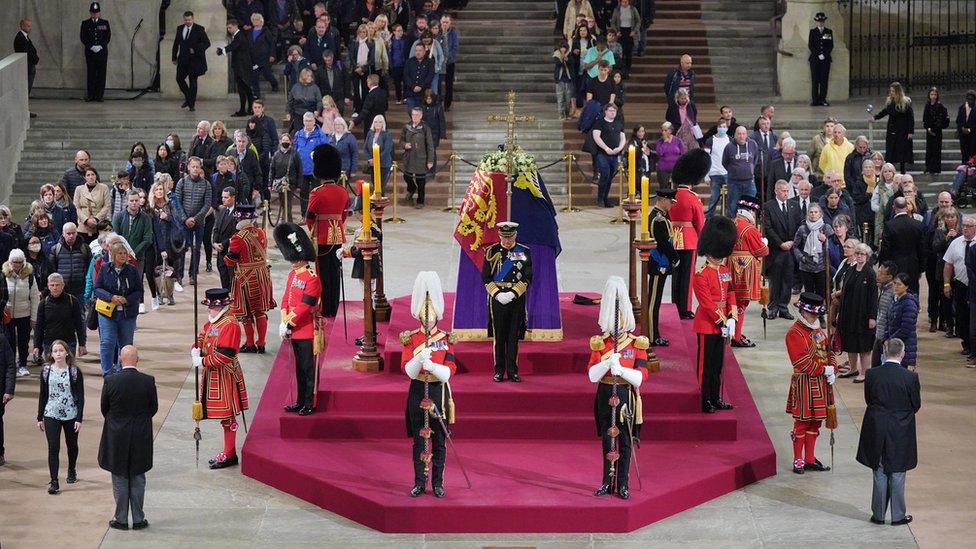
717,174
956,280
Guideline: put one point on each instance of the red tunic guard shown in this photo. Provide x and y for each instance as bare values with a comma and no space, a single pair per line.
746,266
687,219
716,305
251,290
326,217
633,354
222,390
810,393
298,303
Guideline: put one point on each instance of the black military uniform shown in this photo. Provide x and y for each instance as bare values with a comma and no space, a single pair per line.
821,43
662,262
507,273
95,35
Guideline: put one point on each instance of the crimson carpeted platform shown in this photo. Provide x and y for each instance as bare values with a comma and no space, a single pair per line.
530,449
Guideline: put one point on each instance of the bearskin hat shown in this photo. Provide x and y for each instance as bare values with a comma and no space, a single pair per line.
293,242
717,237
326,163
691,168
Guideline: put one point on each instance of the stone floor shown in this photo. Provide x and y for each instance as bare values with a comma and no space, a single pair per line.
189,506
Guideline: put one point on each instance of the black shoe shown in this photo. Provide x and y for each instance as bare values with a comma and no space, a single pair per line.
184,105
239,114
209,267
708,407
417,491
54,487
906,520
232,460
786,315
72,476
498,378
623,492
660,342
359,341
292,408
118,525
260,350
306,411
722,405
815,466
876,521
439,492
950,333
797,470
515,378
933,328
824,103
193,281
192,109
687,316
140,525
33,115
248,349
742,344
603,490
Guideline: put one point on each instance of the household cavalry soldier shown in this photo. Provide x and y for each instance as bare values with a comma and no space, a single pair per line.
746,263
222,390
664,259
299,313
618,365
821,43
715,318
687,218
326,218
251,291
507,273
95,36
811,393
428,358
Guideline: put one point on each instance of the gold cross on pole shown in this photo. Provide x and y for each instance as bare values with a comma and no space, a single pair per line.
511,119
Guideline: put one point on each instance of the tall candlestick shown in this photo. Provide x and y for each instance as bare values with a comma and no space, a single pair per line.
367,214
377,183
631,171
644,210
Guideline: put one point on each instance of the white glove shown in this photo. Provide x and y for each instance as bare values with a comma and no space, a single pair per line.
195,352
282,330
598,370
441,372
254,68
829,371
197,362
412,367
730,327
765,241
339,253
615,367
96,49
831,379
821,57
504,297
634,377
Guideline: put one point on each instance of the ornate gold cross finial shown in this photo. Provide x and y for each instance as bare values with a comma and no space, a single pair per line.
511,119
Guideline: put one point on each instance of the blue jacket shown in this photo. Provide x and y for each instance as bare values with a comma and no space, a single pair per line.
398,52
126,283
305,144
902,319
348,151
386,148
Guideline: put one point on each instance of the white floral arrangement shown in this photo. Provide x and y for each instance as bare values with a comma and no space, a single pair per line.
497,161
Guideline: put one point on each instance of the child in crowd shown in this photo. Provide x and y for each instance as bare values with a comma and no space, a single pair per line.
563,76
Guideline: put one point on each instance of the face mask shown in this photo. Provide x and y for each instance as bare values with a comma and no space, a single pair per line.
137,163
169,143
722,132
34,248
285,145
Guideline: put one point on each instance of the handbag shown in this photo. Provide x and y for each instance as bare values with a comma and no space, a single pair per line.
8,316
91,316
164,280
105,308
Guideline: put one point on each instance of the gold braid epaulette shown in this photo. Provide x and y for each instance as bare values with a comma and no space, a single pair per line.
596,342
642,342
405,336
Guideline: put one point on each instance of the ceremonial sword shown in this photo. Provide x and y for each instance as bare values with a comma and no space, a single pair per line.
629,414
450,441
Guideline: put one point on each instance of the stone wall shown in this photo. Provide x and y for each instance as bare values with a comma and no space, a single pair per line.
56,35
14,118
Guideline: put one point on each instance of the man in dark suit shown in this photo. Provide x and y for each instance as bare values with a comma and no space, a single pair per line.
782,167
262,53
190,58
241,65
129,402
903,241
821,43
888,444
331,80
781,218
374,103
766,140
95,36
23,44
224,227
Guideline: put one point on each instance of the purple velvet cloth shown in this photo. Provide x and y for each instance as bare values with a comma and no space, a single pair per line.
471,304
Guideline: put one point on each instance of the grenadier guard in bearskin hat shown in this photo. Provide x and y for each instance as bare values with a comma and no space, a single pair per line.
716,314
251,292
811,397
222,389
428,358
687,219
618,365
746,262
326,218
299,313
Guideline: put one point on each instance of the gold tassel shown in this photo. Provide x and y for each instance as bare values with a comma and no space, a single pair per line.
196,411
450,411
318,342
638,407
831,417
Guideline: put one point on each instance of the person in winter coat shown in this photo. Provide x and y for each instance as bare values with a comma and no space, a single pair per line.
221,142
71,258
92,201
434,119
129,402
345,142
118,282
140,173
135,225
808,250
901,127
166,162
286,169
165,222
59,316
306,139
22,299
887,442
418,155
384,139
15,232
40,262
304,97
42,228
902,320
935,118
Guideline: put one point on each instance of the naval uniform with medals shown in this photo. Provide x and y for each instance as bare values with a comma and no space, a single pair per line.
664,260
507,273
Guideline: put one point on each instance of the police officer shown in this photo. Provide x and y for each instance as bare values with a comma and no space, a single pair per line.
821,43
507,273
95,35
664,259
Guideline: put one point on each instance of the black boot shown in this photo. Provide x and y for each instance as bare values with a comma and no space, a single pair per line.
292,408
623,492
417,491
54,487
603,490
439,492
72,476
708,407
209,266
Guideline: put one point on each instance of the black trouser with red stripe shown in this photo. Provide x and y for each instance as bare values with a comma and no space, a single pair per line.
655,291
304,371
711,355
681,283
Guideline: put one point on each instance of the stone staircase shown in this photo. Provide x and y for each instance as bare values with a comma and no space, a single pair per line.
740,44
506,45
